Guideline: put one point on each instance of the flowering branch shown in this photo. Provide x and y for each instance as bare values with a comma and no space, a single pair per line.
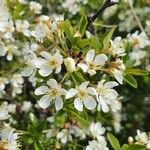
108,3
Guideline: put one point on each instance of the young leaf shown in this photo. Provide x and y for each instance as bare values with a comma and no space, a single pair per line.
68,29
125,147
108,37
113,141
138,72
82,25
130,80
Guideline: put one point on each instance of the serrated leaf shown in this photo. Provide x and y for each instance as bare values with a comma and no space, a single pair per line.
113,141
108,37
82,25
130,80
137,72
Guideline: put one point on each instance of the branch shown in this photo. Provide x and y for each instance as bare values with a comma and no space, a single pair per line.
108,3
136,17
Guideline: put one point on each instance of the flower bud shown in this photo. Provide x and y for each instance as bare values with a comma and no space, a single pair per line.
130,140
70,64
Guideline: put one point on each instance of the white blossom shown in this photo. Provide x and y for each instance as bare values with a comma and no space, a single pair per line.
23,27
83,96
49,63
64,136
4,112
35,7
106,95
97,130
52,93
116,47
93,63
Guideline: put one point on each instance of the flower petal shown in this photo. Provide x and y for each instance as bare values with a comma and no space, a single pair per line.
100,59
84,85
45,71
83,66
58,103
27,71
111,84
39,62
71,93
89,103
52,83
78,104
90,55
41,90
44,101
45,55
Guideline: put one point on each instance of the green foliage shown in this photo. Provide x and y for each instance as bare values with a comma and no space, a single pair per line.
113,141
130,80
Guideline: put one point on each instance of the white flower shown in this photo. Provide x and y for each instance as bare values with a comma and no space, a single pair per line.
138,40
141,137
93,63
7,27
3,82
97,145
22,26
115,1
4,112
53,92
35,7
70,64
137,55
64,136
26,106
2,50
49,63
116,48
40,32
16,79
97,130
105,94
9,138
117,69
83,96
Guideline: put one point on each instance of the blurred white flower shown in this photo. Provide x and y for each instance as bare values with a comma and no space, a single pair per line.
83,96
40,32
141,137
9,138
97,130
49,63
4,112
23,27
52,93
3,82
26,106
64,136
7,27
116,47
93,63
106,95
97,145
139,41
35,7
137,55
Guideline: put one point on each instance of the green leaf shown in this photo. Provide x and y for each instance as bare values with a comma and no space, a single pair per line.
137,72
125,147
113,141
108,37
68,29
38,145
82,25
136,147
130,80
59,119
